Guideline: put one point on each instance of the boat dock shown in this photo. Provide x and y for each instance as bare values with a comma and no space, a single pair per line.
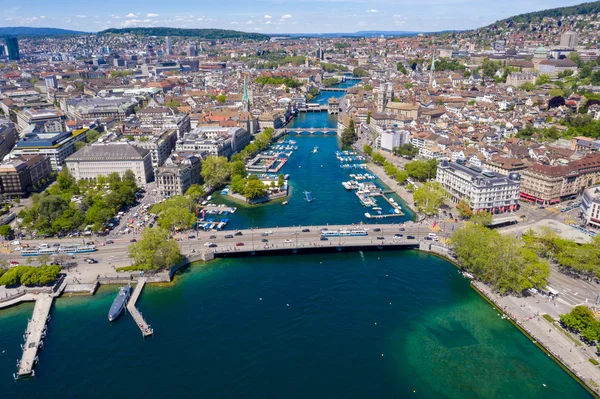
135,313
35,333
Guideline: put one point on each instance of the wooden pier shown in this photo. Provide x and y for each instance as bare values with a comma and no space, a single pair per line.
135,313
35,333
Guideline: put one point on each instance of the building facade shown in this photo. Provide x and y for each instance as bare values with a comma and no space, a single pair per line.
103,159
590,206
178,174
482,189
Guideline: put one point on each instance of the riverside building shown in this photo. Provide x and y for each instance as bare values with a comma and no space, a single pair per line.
483,189
590,207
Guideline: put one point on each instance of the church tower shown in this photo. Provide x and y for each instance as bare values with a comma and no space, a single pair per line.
245,98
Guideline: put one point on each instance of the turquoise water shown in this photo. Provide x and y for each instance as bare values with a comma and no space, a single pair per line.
216,338
304,326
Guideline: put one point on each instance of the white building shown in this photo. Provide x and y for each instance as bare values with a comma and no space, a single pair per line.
169,45
484,190
590,206
393,138
103,159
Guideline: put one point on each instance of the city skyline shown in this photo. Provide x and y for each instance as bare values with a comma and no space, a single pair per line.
275,16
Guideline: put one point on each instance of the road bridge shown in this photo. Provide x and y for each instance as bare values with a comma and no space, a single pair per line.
314,130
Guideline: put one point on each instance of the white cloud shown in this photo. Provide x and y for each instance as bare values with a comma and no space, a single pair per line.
42,17
130,15
268,23
286,16
268,17
151,15
373,10
81,16
250,22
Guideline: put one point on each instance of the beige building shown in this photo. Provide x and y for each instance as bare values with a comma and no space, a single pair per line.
403,110
103,159
177,175
549,184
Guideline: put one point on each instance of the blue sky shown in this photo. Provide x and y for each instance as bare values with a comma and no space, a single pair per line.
269,16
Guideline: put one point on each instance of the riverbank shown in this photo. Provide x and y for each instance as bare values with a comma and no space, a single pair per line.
399,189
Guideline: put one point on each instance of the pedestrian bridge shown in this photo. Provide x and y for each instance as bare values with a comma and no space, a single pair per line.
316,131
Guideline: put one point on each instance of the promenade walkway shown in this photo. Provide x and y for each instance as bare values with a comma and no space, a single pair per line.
525,313
36,331
135,313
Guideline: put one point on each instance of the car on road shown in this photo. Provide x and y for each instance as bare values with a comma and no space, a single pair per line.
428,238
381,238
191,236
207,244
324,229
398,235
229,236
324,239
377,230
239,233
306,230
402,229
410,237
14,263
295,233
265,234
109,242
264,240
239,244
212,237
56,244
133,240
90,260
212,245
268,232
287,241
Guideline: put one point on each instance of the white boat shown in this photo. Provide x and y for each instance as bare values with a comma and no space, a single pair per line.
315,150
284,203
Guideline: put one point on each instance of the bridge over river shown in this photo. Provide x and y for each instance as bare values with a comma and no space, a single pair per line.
313,130
308,239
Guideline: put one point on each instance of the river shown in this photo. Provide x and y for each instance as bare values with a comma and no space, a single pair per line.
345,325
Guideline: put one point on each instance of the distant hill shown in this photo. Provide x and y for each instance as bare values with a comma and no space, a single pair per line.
581,9
374,33
30,31
209,34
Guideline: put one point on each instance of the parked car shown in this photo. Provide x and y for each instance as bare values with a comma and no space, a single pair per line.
133,240
229,236
410,237
264,240
287,241
239,244
239,233
324,239
381,238
377,230
212,237
110,242
306,230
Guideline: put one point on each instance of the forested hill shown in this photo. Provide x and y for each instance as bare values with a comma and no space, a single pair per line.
31,31
209,34
580,9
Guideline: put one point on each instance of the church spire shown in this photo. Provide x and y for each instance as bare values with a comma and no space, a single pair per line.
245,98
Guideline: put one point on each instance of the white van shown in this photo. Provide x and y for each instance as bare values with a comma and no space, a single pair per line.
432,235
44,245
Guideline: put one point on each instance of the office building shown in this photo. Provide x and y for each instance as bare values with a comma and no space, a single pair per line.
169,45
569,40
12,48
482,189
19,176
391,138
103,159
56,146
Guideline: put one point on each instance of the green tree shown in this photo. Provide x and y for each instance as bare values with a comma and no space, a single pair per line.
238,184
280,180
238,168
369,118
155,250
368,149
482,218
429,197
422,170
79,145
196,192
378,158
91,135
44,259
401,176
6,231
349,134
215,171
359,73
542,79
254,189
174,218
221,98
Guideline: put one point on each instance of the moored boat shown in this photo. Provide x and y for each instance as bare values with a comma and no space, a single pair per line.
119,303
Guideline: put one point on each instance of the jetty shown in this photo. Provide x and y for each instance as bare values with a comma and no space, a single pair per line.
135,313
35,333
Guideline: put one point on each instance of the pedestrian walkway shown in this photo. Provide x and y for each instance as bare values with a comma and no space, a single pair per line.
36,331
135,313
